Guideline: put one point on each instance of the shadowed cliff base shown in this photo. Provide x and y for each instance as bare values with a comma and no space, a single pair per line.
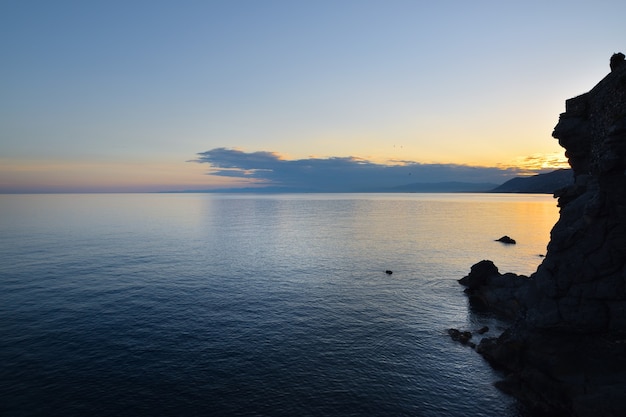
565,351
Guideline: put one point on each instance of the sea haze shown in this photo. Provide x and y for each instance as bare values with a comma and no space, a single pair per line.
274,305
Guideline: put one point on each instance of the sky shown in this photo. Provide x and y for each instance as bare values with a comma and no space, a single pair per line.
141,96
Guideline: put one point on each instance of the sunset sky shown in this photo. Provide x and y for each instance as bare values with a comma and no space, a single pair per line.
163,95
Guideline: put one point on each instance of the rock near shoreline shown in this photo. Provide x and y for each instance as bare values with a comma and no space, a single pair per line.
565,353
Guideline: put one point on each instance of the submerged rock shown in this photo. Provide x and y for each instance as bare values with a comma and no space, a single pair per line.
482,330
565,354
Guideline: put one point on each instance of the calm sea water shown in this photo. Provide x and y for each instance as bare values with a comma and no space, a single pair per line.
250,305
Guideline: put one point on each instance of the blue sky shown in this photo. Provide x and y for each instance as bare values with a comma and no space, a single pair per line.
121,96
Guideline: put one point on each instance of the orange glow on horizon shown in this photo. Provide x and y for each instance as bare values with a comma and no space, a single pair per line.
162,175
539,162
105,176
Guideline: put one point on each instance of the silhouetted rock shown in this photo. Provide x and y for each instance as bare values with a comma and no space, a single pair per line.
581,282
506,239
617,60
487,288
565,353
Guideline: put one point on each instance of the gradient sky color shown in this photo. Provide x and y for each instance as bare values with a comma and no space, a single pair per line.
122,95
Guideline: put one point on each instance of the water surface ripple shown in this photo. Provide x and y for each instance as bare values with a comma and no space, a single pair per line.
241,305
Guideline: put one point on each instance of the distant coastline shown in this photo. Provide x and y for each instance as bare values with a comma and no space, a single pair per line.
538,184
546,183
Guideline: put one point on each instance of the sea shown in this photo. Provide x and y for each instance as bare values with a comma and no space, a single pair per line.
254,305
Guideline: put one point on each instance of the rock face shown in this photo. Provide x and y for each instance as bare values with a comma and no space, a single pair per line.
582,279
566,351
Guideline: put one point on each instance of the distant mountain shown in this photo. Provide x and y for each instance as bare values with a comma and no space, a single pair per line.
249,190
418,187
442,187
537,184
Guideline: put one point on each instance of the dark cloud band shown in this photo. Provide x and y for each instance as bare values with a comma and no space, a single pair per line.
340,173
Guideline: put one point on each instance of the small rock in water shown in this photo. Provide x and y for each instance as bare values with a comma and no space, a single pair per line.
388,272
459,336
506,239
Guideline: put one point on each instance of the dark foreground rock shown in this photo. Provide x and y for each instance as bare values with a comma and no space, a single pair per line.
561,374
565,353
488,289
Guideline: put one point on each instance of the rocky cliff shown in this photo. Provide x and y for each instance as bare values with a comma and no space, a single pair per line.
565,354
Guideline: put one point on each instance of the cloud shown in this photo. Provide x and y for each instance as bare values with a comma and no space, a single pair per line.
538,163
340,173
